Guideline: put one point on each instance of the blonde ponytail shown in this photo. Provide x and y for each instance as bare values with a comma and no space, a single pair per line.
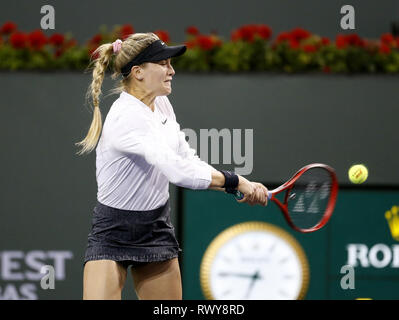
94,92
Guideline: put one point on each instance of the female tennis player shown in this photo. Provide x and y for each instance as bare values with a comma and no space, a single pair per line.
140,149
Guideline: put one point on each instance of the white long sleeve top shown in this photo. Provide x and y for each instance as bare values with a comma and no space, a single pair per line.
140,152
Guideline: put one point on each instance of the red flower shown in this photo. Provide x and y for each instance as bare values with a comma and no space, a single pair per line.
205,42
250,31
18,40
293,37
355,40
57,39
264,31
37,39
192,30
283,36
191,44
8,28
341,41
163,35
96,40
294,44
387,38
310,48
385,49
126,30
299,34
325,41
58,53
236,35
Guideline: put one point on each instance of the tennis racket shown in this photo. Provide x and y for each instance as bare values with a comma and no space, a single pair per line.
309,198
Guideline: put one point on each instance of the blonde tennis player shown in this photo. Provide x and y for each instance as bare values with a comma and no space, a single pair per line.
140,149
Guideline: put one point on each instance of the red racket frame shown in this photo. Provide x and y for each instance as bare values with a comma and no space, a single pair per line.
288,186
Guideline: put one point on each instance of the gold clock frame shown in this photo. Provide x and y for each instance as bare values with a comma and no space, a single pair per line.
226,235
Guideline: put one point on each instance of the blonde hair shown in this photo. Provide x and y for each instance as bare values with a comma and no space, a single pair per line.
134,44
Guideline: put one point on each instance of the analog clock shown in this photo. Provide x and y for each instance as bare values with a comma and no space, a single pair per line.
254,261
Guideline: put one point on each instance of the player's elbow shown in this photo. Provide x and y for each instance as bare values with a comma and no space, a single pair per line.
182,181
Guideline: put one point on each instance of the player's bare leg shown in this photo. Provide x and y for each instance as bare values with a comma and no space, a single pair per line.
103,280
158,281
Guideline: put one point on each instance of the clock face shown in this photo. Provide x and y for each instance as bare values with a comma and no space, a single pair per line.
254,260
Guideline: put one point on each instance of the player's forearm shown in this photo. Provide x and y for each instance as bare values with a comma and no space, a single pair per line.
217,180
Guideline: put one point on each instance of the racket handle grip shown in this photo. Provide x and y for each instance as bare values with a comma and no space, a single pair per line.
239,195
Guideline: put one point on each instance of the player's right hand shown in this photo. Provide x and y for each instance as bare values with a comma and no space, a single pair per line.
254,192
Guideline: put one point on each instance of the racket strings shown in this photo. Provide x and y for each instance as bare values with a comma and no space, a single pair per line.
308,199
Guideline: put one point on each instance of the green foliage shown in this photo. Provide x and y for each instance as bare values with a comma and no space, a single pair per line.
233,57
250,49
194,59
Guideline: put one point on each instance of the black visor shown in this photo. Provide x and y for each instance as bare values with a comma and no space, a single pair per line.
155,52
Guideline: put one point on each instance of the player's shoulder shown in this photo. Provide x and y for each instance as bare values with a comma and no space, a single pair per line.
165,106
128,108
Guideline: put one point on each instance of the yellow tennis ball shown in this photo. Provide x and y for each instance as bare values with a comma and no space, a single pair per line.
358,173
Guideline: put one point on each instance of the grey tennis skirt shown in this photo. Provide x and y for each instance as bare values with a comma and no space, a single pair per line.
131,237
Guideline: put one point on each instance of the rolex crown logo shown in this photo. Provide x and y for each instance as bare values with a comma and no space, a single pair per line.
393,221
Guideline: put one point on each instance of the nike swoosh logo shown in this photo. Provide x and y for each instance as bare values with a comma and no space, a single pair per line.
163,122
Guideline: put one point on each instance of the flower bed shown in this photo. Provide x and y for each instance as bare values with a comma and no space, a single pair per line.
250,48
